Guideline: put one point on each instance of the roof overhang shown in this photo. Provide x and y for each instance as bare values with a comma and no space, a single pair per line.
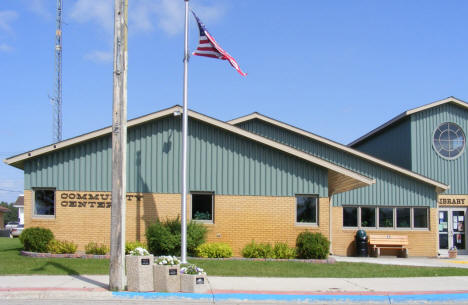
440,187
340,179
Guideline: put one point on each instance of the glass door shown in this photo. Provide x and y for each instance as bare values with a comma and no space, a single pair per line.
452,230
443,231
458,229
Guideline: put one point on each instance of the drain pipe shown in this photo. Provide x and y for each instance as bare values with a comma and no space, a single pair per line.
330,223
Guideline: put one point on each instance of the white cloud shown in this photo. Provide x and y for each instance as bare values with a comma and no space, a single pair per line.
168,15
5,47
39,7
100,12
144,15
6,18
100,56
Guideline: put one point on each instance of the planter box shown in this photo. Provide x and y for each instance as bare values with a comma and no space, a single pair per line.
194,283
452,254
166,278
139,272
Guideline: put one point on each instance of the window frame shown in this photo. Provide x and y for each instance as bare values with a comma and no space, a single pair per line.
434,146
313,224
33,212
212,207
394,227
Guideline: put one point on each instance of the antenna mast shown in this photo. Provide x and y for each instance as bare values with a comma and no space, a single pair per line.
57,99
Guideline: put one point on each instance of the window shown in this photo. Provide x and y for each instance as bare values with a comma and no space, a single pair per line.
403,217
420,218
449,140
350,216
385,217
306,209
367,217
44,202
202,206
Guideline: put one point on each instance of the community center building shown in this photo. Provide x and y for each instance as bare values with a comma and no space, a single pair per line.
256,178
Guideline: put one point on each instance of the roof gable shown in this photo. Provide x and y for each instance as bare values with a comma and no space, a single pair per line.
257,116
340,178
407,113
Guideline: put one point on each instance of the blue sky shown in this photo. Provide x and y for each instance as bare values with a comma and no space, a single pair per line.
335,68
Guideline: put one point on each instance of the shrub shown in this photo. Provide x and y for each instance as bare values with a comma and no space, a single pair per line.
164,237
132,245
36,239
312,245
97,249
260,250
62,247
282,250
214,250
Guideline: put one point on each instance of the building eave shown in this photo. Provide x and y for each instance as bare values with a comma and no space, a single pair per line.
408,113
440,187
354,179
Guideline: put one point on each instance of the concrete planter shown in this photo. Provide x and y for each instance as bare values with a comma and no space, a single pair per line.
194,283
166,278
139,272
452,253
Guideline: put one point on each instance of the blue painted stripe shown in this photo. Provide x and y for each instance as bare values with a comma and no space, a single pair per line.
439,297
161,295
301,298
387,299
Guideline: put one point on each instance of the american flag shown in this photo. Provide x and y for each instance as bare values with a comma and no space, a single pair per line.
210,48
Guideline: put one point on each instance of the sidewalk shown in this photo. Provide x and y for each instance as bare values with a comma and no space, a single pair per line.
235,289
250,289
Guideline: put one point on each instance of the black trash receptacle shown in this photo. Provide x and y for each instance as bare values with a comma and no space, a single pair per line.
361,244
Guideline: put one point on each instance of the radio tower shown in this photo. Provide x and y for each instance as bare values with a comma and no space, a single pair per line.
57,99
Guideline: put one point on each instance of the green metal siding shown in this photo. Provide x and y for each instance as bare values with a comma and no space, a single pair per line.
392,144
391,188
425,159
218,161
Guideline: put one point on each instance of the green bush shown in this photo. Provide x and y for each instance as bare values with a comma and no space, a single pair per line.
132,245
164,237
260,250
214,250
282,250
36,239
97,249
312,245
62,247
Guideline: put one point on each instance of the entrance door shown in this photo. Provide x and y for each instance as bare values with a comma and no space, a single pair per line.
452,230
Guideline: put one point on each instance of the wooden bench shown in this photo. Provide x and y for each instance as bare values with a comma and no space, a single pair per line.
399,242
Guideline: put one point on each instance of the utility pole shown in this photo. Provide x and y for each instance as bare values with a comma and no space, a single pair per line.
117,279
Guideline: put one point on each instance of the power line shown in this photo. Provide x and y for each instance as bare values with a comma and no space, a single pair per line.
5,190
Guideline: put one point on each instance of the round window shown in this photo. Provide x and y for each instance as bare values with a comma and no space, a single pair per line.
449,140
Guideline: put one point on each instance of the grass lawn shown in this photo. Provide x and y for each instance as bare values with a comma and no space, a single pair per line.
11,262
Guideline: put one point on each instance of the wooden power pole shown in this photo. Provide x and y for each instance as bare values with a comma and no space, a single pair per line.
119,148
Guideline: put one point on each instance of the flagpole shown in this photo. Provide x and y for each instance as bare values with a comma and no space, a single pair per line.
183,245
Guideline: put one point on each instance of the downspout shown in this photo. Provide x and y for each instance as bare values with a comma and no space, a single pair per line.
330,224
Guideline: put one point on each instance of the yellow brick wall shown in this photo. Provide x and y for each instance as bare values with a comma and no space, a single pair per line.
238,219
241,219
421,242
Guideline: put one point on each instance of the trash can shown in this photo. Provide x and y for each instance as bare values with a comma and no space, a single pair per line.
361,244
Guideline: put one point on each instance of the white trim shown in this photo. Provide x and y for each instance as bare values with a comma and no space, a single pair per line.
176,110
255,115
88,136
407,113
